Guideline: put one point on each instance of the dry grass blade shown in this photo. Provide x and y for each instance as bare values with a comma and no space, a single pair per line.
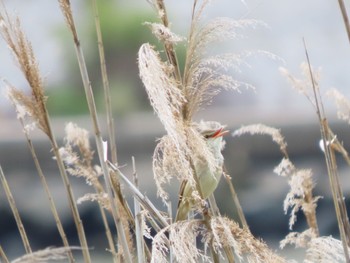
141,198
46,255
15,212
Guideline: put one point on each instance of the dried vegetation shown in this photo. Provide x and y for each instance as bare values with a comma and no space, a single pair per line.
176,93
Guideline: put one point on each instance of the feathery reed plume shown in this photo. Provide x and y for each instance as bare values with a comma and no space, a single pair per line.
342,103
325,249
275,134
176,99
300,196
300,240
35,104
79,164
223,232
46,255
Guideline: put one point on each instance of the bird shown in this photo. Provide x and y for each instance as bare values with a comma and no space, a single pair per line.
208,179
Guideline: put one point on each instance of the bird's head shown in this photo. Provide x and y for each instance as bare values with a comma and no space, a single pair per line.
213,133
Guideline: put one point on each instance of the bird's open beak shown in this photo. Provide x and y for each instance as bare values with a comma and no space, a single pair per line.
220,132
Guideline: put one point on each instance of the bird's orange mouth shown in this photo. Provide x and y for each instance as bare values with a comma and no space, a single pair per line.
219,133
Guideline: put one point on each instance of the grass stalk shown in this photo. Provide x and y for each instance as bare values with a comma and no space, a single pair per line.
168,46
71,199
215,211
339,204
66,9
109,114
15,212
345,17
106,88
48,193
36,104
138,219
3,257
141,198
235,199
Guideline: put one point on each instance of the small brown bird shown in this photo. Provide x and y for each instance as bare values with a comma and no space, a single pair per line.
208,180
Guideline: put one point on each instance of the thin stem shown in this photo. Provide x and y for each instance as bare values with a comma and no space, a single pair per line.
71,199
138,219
48,193
106,88
345,17
3,257
65,5
236,201
168,46
340,208
15,212
140,197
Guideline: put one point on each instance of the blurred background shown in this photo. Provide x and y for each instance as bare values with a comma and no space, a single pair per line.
249,160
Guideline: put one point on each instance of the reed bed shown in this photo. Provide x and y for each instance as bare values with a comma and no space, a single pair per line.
176,93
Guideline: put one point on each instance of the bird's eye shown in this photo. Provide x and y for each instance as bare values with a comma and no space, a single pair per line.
206,136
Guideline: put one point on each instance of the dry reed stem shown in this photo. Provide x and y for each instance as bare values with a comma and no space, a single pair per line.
140,197
168,46
121,228
80,165
236,201
15,212
106,88
142,248
3,257
345,17
340,207
48,193
36,104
